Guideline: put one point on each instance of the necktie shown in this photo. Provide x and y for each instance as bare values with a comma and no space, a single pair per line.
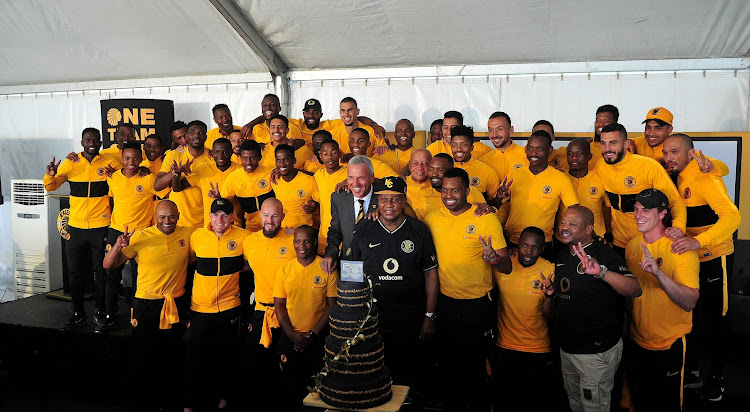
361,213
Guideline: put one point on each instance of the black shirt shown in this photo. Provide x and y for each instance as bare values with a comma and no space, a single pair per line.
588,312
395,262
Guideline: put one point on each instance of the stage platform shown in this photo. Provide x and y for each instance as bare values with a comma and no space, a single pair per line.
43,368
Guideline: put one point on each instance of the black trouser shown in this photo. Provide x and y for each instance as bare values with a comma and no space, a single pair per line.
85,245
655,377
710,330
464,328
298,369
213,343
161,347
404,353
521,375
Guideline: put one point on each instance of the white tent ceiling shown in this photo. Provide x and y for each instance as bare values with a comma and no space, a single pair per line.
48,41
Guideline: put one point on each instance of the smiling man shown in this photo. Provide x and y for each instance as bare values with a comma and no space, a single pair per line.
481,176
297,191
398,158
259,128
223,120
279,128
507,155
350,120
359,144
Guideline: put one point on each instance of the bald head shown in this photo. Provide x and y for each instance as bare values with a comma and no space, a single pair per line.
584,213
166,216
404,134
682,139
271,215
678,152
421,154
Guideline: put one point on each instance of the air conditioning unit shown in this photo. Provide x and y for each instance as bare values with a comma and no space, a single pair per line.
37,255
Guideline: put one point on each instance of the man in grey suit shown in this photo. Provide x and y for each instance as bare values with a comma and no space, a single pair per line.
347,208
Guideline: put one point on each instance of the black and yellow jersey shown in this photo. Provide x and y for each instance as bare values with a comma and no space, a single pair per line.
89,191
219,260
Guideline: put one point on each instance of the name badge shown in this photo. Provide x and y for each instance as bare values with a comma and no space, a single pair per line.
352,271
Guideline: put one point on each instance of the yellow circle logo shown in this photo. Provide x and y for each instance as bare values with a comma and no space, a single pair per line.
282,250
471,229
139,188
263,183
475,181
518,166
62,223
181,243
687,194
547,189
317,280
113,117
231,245
536,284
629,182
300,193
100,171
593,191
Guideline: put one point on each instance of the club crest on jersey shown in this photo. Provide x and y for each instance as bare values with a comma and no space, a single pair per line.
659,261
593,191
518,165
317,280
536,284
555,162
471,229
231,245
282,250
547,189
687,193
475,181
181,243
407,246
300,193
100,171
262,183
629,182
139,188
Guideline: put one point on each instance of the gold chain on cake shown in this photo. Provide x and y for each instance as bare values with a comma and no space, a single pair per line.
358,337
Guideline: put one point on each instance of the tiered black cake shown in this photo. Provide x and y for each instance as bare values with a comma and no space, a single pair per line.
360,379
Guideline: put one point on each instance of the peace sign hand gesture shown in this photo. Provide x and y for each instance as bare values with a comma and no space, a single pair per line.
504,191
213,193
590,265
548,288
52,167
648,263
704,164
488,252
124,239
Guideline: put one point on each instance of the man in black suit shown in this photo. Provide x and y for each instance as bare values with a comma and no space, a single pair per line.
347,208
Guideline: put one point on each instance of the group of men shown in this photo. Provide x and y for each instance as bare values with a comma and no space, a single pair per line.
494,258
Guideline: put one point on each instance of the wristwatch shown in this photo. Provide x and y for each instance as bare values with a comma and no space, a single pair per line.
604,272
430,315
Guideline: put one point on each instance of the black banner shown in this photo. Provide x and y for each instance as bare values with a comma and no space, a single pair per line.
147,115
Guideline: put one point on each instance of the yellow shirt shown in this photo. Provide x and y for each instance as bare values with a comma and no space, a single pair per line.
641,145
503,161
590,192
380,169
306,290
326,184
266,256
438,146
596,154
480,149
89,192
624,180
712,217
656,320
481,176
306,132
113,151
519,311
340,135
312,166
558,159
261,134
293,195
154,166
134,201
216,286
269,156
462,272
395,159
534,200
162,261
250,189
189,201
214,134
423,198
203,177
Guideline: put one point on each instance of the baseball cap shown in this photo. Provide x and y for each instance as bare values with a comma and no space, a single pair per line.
391,185
312,104
652,198
223,205
661,115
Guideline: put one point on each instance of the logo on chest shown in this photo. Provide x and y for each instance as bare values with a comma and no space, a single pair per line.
547,189
593,191
687,193
262,183
471,229
231,245
181,243
536,284
629,182
475,181
300,193
407,246
317,280
100,171
139,188
282,250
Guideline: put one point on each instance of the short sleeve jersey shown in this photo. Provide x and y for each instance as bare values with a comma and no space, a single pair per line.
216,286
293,195
189,201
535,199
463,274
624,180
395,159
395,261
302,155
481,176
326,184
439,146
308,133
162,261
590,192
251,189
503,161
340,135
306,289
214,134
266,256
203,177
656,320
519,312
134,204
588,312
423,198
